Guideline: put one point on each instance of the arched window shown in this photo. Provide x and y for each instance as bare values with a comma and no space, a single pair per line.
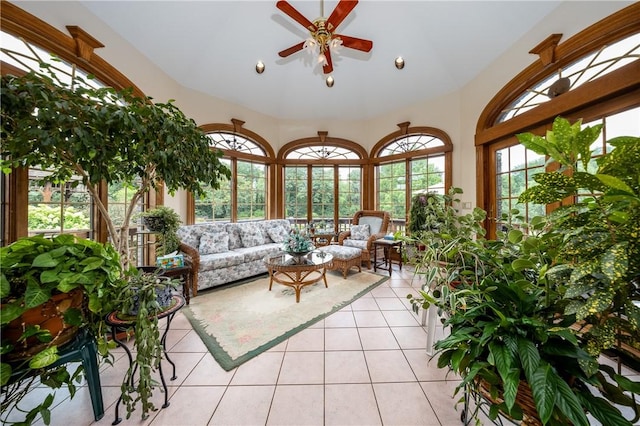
322,180
245,196
595,77
411,160
51,207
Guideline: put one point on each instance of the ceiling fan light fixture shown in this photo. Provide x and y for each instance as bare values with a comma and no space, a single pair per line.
399,62
329,81
260,67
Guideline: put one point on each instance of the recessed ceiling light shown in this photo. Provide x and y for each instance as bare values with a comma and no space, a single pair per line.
329,81
399,62
260,67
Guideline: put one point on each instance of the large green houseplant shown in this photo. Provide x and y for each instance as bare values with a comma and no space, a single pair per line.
598,261
104,135
548,301
512,345
35,273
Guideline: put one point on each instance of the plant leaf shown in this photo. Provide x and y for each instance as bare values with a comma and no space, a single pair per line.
615,183
568,402
603,411
529,357
44,358
544,391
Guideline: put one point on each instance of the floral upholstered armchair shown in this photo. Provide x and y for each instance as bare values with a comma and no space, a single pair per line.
367,226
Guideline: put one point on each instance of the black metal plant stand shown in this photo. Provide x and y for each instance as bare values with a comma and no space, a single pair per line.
119,324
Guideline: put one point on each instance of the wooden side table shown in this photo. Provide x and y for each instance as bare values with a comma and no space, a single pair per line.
386,262
323,238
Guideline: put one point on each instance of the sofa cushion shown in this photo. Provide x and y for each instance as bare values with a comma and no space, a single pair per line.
342,252
233,229
209,262
251,235
190,234
258,252
361,244
360,232
374,222
214,242
278,234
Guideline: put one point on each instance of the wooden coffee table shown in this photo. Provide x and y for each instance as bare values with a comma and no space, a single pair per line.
298,273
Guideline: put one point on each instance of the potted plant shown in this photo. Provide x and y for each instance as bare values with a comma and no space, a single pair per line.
599,257
148,293
449,254
514,348
424,212
165,221
49,289
545,305
104,136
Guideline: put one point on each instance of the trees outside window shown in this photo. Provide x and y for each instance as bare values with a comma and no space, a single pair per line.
216,204
322,182
392,188
322,193
349,191
410,161
244,197
252,190
295,193
55,208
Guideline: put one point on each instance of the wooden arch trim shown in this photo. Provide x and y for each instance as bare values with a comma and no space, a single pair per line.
404,131
236,127
20,23
606,31
322,138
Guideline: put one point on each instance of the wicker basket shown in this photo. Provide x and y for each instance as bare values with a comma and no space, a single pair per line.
524,399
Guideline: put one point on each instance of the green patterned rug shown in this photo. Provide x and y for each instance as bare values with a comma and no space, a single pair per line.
239,322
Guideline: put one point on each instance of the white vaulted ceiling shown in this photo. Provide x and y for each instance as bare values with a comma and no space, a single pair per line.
213,46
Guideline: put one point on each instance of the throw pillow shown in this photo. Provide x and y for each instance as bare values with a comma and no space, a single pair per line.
214,242
360,232
278,234
251,235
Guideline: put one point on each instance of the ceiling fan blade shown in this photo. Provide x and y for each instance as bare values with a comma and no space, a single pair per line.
355,43
295,15
328,68
340,12
291,50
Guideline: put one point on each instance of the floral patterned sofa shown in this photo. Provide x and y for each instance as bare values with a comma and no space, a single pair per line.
224,252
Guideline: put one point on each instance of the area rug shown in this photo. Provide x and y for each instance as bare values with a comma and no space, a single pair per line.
238,322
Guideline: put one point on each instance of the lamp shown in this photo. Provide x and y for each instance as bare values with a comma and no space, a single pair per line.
260,67
329,81
321,41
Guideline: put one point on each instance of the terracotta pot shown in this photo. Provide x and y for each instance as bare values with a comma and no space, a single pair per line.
49,316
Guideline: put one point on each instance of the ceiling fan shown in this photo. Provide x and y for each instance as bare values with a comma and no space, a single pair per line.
322,38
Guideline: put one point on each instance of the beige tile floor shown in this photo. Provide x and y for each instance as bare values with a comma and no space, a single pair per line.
364,365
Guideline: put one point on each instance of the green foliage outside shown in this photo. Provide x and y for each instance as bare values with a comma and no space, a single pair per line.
42,216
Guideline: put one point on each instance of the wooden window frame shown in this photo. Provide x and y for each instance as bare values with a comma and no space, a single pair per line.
611,93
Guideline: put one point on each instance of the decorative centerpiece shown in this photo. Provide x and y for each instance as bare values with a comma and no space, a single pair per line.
298,244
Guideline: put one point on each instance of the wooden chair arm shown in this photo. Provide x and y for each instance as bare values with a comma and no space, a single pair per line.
372,238
343,236
194,257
